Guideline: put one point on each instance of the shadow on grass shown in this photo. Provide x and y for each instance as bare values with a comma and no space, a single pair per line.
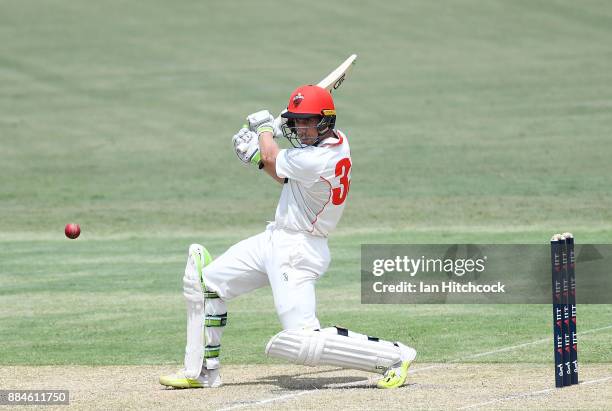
310,381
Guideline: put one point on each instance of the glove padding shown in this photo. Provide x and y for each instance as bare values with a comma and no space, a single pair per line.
246,146
262,121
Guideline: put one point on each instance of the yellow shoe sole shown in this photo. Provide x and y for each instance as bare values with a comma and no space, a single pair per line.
170,381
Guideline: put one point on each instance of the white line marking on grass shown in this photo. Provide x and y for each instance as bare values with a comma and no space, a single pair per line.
456,360
482,354
500,350
530,394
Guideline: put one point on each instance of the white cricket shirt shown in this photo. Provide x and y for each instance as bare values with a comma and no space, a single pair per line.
318,183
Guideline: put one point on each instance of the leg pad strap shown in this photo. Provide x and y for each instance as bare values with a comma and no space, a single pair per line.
215,320
212,351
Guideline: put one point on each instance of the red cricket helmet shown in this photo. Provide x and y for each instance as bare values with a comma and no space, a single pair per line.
305,102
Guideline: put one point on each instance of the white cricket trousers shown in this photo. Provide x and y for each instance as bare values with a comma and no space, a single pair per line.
290,262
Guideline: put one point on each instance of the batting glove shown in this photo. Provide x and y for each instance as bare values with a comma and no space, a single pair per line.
246,146
263,121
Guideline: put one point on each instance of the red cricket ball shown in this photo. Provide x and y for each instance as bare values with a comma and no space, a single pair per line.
72,230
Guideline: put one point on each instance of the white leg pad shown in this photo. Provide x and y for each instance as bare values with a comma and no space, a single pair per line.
194,296
327,347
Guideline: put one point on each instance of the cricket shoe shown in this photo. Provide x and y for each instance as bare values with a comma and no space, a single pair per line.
206,379
397,374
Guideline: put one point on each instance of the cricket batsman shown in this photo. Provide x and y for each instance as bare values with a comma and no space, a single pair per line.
289,256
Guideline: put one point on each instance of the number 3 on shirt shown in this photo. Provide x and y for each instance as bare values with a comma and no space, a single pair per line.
343,167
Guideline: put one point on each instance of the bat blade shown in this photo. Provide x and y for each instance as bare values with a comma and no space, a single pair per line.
334,80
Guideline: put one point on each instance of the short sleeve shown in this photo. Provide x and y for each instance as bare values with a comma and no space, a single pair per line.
301,164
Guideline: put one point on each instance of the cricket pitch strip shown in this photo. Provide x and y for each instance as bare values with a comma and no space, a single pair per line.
431,386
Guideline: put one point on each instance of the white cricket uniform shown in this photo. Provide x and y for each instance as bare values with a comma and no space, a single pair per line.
292,253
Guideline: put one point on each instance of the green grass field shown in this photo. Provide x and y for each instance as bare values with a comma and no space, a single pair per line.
469,121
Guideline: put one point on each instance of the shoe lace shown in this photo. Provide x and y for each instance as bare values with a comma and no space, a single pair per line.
389,375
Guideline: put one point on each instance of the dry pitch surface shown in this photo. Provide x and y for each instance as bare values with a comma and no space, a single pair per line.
437,386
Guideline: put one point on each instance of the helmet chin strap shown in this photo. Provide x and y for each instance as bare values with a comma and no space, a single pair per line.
320,138
324,135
